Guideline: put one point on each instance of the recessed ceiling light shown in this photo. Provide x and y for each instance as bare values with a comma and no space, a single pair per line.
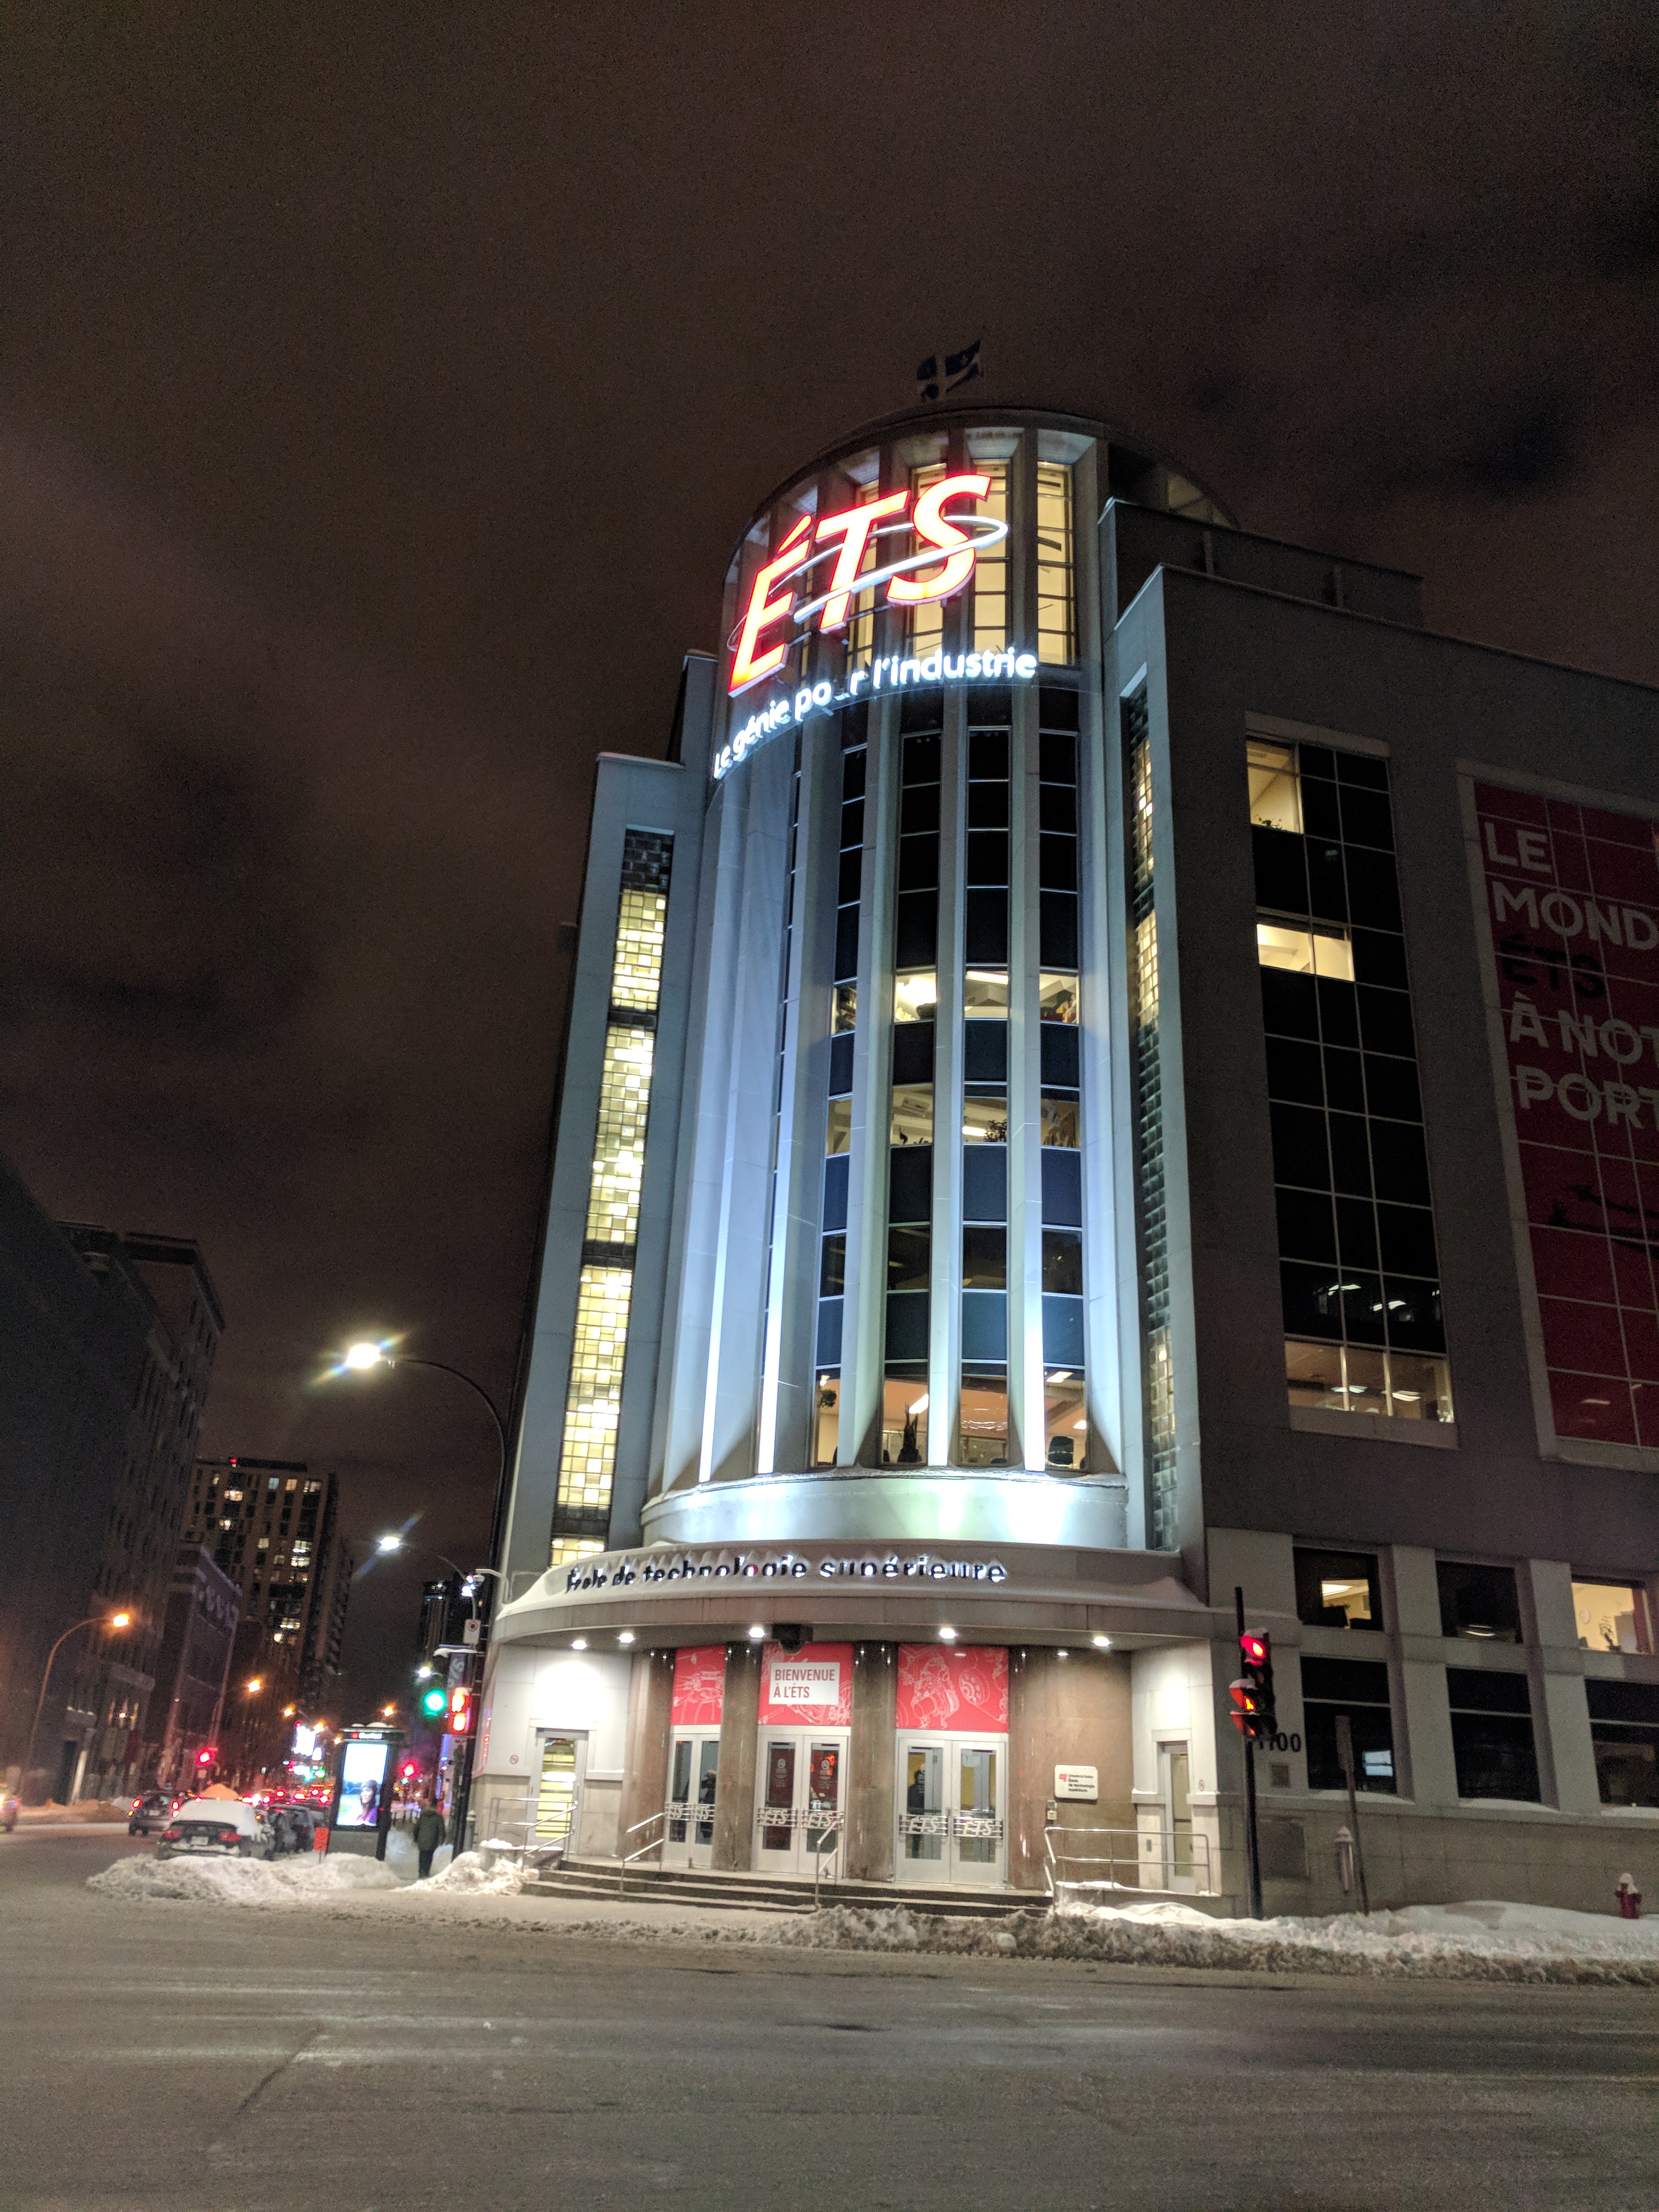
947,1636
579,1644
627,1636
1103,1643
757,1633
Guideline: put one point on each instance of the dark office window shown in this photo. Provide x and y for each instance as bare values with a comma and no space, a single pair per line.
1360,1284
1480,1602
1492,1733
1337,1590
1625,1733
1359,1688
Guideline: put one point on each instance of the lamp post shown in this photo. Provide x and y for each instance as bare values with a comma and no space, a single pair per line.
114,1620
360,1359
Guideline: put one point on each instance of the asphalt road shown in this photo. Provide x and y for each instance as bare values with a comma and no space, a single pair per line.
186,2057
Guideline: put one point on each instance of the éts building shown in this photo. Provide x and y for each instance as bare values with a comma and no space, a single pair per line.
1109,1064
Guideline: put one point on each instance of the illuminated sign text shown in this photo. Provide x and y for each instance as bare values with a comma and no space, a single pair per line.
947,547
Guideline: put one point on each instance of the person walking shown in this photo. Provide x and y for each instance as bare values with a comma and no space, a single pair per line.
428,1834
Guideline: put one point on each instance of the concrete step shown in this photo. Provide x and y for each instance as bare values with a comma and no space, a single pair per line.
599,1878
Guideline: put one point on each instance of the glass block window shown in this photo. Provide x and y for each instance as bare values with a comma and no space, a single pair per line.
587,1455
1157,1374
1359,1275
1056,606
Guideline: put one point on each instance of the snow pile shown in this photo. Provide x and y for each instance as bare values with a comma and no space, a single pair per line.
473,1875
207,1880
1483,1940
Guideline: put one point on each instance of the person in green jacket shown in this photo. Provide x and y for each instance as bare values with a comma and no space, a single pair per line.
428,1834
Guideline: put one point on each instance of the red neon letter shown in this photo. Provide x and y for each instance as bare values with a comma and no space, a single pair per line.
748,667
852,528
932,529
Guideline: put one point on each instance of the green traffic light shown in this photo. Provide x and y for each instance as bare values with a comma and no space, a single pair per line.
433,1700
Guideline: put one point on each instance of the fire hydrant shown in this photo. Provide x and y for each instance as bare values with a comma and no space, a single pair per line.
1629,1896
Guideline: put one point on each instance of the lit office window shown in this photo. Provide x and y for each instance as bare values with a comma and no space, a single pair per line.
566,1550
1056,620
1358,1270
588,1457
925,632
983,1424
990,615
861,618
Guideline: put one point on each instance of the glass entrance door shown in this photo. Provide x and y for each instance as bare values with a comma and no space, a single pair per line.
799,1800
558,1793
952,1821
694,1760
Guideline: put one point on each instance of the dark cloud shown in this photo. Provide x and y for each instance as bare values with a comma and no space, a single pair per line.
381,391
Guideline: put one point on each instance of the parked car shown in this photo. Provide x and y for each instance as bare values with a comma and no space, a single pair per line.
10,1809
293,1827
222,1826
151,1810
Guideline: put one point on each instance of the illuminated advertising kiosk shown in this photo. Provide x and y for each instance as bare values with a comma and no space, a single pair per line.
1108,1065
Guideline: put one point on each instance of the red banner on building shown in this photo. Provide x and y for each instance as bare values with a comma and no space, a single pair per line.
809,1688
1572,900
699,1687
952,1688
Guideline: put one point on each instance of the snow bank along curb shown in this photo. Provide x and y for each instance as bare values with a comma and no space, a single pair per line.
1477,1941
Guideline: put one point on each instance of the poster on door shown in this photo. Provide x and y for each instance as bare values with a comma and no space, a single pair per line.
699,1687
809,1688
953,1687
1573,903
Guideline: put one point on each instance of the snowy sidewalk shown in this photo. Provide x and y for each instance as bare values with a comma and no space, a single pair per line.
1476,1942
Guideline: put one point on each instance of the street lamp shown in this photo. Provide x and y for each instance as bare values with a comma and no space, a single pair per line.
114,1620
363,1357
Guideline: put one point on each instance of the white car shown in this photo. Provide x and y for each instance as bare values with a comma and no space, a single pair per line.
224,1825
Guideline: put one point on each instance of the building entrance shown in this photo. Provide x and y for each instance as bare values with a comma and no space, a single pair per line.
952,1816
561,1759
800,1793
694,1757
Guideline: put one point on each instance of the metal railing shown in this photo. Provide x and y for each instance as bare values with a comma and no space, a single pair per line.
1133,1860
817,1843
652,1842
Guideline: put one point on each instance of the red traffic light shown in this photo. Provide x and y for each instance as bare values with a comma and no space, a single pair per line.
460,1711
1255,1648
205,1759
1246,1706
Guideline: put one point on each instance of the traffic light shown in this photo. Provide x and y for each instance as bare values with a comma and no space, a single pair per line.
460,1711
205,1759
1253,1692
434,1701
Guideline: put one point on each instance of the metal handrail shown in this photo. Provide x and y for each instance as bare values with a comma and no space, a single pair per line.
834,1829
1152,1851
650,1821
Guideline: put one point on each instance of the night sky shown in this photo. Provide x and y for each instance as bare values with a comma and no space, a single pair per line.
380,393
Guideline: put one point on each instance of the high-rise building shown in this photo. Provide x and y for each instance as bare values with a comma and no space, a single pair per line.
107,1346
1109,1065
444,1614
272,1527
192,1671
112,1677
